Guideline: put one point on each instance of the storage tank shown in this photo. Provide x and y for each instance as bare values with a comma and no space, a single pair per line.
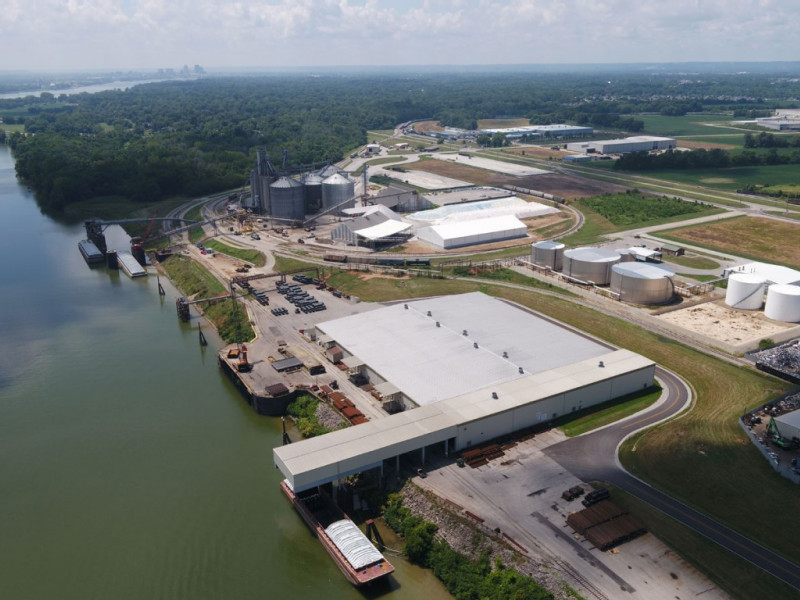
338,190
286,199
327,171
745,291
548,253
590,264
313,191
783,303
642,283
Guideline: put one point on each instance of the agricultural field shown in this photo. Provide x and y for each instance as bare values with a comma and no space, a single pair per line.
732,178
749,237
688,125
502,123
610,213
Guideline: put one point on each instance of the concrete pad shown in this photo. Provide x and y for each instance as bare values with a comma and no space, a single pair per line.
491,165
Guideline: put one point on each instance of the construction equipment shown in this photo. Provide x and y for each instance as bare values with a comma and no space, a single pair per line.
775,434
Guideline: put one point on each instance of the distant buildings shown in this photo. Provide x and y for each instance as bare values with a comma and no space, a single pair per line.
639,143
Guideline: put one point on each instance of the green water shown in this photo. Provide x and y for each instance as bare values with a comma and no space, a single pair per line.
129,466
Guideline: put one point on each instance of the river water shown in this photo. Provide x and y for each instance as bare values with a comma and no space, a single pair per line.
130,468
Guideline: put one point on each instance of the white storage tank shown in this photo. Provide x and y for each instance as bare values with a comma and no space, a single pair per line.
783,303
338,190
590,264
745,291
642,283
548,253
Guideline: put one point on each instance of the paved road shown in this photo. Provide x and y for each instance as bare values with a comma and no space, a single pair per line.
594,457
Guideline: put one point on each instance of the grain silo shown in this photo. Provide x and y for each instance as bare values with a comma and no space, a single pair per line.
745,291
783,303
590,264
548,253
642,283
286,199
339,191
313,192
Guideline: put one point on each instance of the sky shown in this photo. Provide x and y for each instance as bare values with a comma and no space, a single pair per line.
50,35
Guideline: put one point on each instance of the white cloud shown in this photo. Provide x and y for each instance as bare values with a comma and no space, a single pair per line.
148,33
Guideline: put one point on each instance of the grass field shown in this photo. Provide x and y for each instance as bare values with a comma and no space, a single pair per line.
693,261
628,211
687,125
246,254
609,412
508,276
733,178
702,457
749,237
722,141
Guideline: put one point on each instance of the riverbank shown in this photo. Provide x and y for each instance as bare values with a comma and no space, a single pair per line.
476,541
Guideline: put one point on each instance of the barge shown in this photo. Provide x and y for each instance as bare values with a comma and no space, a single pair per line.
130,265
90,252
355,555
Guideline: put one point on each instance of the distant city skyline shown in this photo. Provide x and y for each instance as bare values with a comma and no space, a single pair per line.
49,35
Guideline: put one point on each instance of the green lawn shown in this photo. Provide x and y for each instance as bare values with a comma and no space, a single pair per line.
609,412
686,125
246,254
733,178
732,139
693,261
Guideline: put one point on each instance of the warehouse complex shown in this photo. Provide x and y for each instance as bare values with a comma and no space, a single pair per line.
457,371
639,143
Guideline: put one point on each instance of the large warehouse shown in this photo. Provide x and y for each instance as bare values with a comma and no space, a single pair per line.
467,369
639,143
458,234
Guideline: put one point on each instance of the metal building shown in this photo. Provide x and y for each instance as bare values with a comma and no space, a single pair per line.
286,199
745,291
642,283
548,253
783,303
591,265
338,190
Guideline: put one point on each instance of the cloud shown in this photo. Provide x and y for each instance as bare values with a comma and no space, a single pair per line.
149,33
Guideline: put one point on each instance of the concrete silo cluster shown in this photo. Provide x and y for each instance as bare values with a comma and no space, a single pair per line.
295,194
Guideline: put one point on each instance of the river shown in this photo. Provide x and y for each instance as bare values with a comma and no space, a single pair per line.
84,89
129,466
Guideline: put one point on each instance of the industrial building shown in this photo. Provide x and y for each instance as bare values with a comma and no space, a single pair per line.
465,369
789,424
377,226
457,234
639,143
541,131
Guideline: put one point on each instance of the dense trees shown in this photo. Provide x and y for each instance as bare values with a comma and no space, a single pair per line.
196,137
702,159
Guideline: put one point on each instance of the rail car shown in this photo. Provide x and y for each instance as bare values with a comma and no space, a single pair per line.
377,260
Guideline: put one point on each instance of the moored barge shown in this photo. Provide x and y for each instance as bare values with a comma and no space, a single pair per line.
90,252
355,555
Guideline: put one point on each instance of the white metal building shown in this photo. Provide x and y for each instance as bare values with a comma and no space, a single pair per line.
789,424
476,367
637,143
475,231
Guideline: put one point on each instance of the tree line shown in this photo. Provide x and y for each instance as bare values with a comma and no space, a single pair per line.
197,137
703,159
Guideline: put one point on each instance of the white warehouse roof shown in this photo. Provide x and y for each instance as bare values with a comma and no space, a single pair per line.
388,228
473,231
430,363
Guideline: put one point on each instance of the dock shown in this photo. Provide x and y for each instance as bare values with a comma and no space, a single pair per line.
130,265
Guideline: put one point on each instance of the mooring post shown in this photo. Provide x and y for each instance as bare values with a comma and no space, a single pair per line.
161,291
203,341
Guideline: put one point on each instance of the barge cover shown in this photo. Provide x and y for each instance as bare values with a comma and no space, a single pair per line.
130,265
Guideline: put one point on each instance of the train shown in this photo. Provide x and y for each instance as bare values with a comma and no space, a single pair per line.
384,261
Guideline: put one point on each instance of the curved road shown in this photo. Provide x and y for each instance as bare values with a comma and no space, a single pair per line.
593,456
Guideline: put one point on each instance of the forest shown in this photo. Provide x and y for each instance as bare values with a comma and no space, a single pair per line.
190,138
